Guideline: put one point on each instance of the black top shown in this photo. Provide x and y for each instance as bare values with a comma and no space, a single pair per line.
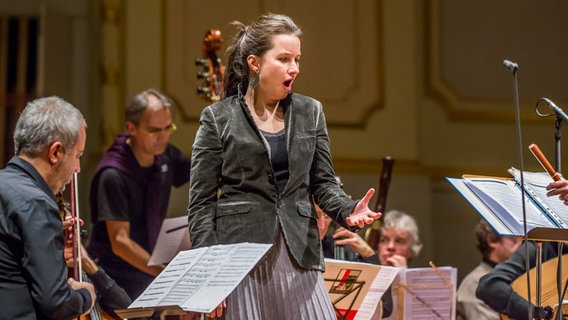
278,156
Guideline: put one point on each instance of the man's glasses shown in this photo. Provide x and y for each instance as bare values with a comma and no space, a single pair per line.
158,131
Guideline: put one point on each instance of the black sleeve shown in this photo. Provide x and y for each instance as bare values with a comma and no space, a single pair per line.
112,196
374,259
206,162
110,295
180,165
42,262
495,288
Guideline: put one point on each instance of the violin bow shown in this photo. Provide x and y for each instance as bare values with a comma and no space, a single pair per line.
77,266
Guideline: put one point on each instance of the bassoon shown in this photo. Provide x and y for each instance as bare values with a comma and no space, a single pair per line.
372,234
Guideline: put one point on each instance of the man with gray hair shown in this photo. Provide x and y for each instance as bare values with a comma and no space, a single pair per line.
49,139
399,242
131,189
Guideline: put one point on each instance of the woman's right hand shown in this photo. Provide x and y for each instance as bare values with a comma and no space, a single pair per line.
361,214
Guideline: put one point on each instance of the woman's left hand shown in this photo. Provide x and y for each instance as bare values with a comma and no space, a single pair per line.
362,215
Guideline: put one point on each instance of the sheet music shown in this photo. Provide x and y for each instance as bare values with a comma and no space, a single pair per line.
355,288
199,279
382,281
160,287
483,210
173,238
429,293
509,205
537,182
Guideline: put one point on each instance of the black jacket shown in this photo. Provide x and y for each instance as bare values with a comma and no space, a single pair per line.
233,192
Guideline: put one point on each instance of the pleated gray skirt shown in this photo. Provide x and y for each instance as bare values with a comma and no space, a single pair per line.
279,289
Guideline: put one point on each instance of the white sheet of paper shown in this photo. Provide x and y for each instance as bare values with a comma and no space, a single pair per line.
378,288
537,182
199,279
173,238
509,196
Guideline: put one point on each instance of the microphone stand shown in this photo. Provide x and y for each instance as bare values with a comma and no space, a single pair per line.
557,147
557,154
560,115
538,310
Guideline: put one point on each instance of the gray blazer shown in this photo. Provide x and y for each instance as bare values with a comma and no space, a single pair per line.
233,192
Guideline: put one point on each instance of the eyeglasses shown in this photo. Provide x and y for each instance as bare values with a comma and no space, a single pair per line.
157,131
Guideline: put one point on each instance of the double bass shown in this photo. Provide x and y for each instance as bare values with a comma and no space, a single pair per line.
213,69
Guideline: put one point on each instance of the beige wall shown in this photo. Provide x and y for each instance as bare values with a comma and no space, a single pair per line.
421,81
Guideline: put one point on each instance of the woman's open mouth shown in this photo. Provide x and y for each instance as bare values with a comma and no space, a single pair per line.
288,84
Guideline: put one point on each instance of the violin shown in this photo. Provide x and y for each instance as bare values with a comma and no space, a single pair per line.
213,69
72,210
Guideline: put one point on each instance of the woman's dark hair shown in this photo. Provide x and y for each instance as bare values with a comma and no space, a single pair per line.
255,39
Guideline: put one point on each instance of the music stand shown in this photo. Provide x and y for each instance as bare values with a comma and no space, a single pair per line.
496,218
558,166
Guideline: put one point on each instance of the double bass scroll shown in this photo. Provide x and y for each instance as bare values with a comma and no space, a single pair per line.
213,69
372,234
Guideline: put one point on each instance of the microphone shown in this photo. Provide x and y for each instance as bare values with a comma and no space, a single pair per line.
556,109
510,65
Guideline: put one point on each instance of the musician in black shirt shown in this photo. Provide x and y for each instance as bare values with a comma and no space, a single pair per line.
49,139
